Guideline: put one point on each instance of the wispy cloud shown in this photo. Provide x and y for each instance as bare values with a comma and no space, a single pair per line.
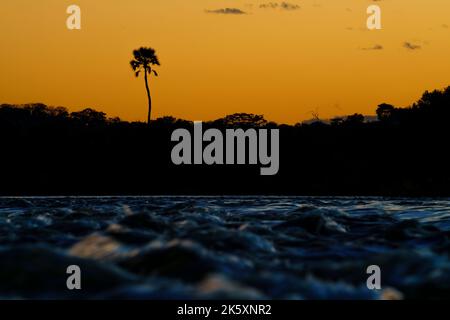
375,47
411,46
231,11
280,5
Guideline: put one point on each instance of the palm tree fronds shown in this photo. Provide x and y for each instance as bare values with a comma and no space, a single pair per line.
135,65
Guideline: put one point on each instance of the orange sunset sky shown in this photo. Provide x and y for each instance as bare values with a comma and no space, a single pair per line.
268,60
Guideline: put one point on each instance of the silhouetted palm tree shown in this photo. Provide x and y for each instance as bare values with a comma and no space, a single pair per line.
144,59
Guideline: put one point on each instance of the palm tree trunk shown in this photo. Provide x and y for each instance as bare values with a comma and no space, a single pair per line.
149,99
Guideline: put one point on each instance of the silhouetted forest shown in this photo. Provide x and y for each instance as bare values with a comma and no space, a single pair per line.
47,150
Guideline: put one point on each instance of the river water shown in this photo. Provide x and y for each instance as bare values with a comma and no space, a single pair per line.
224,247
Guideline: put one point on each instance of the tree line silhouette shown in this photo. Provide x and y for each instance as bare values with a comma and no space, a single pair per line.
49,150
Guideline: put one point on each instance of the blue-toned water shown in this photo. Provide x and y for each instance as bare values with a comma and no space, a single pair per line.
224,247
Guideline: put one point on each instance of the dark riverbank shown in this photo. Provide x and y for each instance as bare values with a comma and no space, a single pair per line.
48,151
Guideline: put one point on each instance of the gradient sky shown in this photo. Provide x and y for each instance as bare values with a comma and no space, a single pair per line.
280,63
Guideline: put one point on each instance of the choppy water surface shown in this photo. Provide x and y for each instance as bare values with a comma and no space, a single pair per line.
224,247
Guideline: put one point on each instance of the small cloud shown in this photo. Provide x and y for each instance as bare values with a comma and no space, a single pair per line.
410,46
270,5
445,26
375,47
235,11
289,6
283,6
